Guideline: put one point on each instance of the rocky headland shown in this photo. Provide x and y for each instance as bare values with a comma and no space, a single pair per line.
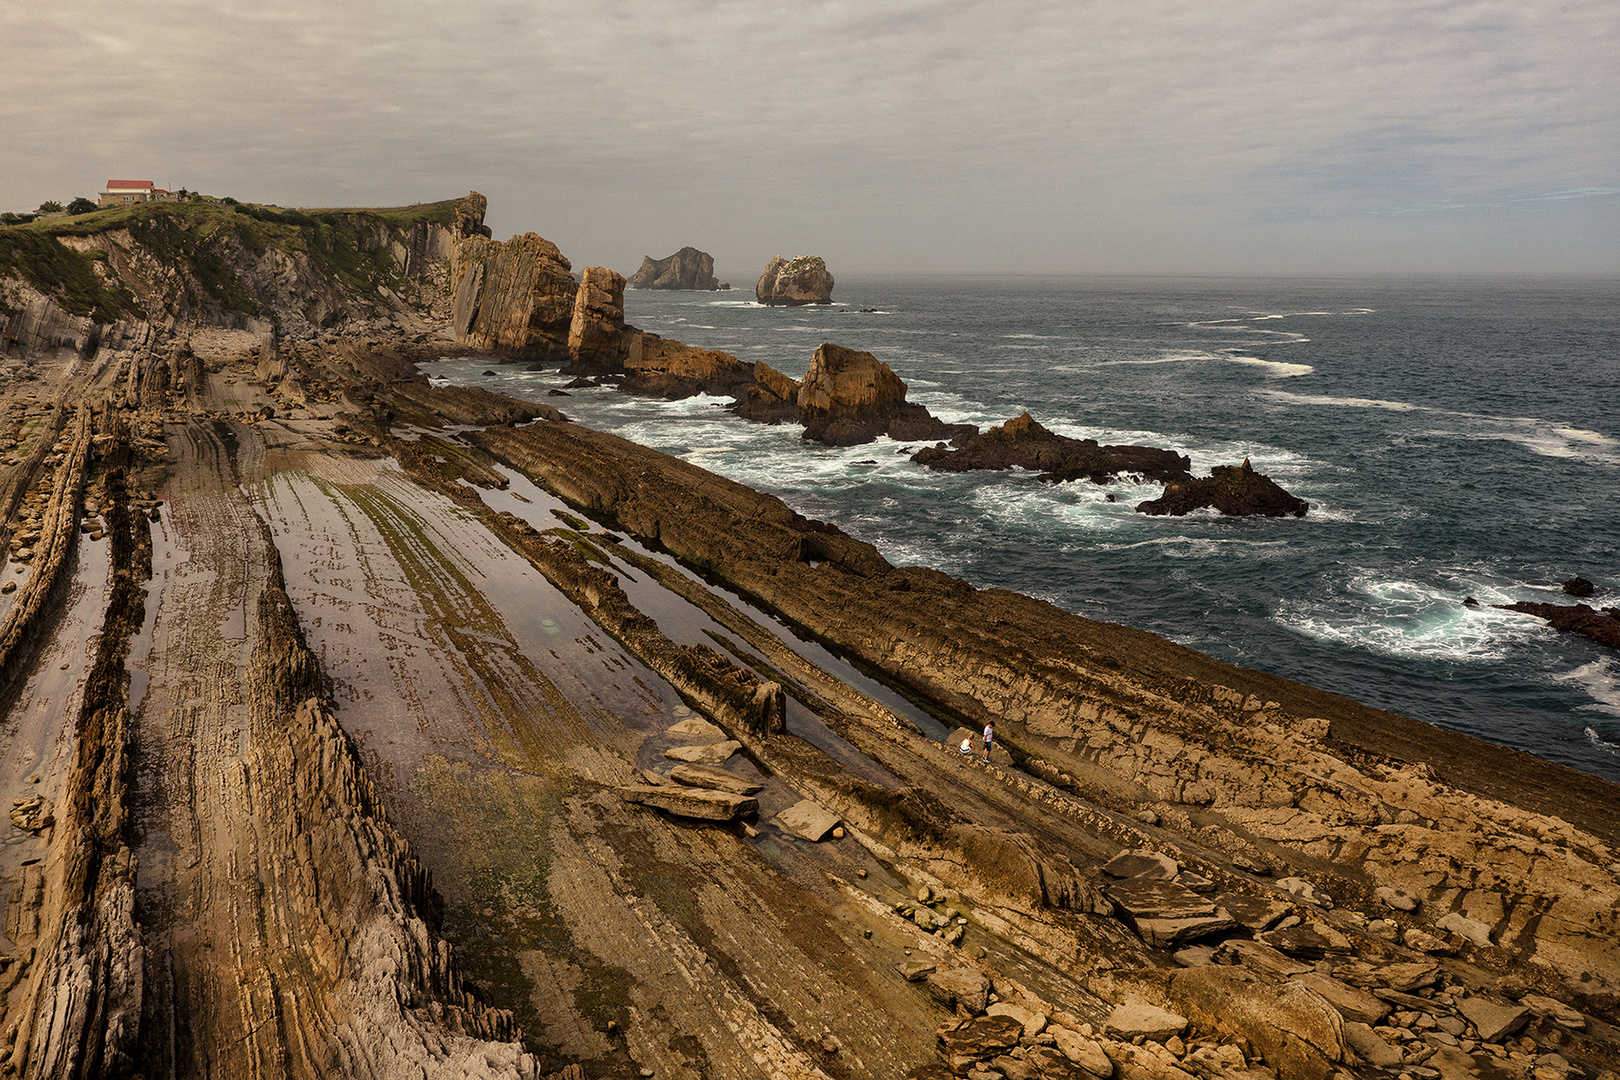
357,726
688,268
803,279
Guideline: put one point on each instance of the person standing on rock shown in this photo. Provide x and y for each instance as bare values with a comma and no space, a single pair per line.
989,736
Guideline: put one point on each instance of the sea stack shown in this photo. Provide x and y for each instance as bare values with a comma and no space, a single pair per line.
804,279
688,268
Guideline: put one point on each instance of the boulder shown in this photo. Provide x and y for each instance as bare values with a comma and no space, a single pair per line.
690,802
1301,889
1370,1047
803,279
705,776
1399,976
1253,912
688,268
1261,959
1396,899
695,727
1033,1020
705,754
1231,489
964,986
1555,1010
1579,587
1134,1016
1165,913
1469,929
1084,1052
772,399
1492,1018
808,820
1297,1032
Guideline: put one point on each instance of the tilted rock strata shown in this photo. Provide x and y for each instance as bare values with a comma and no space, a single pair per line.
515,298
688,268
803,279
848,397
1024,443
1231,489
1150,721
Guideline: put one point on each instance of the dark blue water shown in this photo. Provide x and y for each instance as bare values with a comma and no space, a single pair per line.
1455,438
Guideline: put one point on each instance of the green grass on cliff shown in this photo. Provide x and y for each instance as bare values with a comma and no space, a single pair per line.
198,239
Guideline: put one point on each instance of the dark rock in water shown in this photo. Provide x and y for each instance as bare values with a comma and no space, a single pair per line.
850,397
536,366
671,370
489,373
558,393
1023,442
1602,626
801,280
1470,602
688,268
1231,489
1578,586
578,383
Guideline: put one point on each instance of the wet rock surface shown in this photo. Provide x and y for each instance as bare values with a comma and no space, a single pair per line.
319,759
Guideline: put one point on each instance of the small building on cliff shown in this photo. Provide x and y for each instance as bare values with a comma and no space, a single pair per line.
124,192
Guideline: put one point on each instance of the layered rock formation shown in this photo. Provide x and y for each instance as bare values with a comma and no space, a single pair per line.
849,397
1602,626
1023,443
1231,489
360,671
794,282
688,268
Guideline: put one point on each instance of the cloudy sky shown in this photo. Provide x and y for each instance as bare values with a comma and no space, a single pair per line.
1253,136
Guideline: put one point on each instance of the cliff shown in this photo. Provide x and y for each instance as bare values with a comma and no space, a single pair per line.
688,268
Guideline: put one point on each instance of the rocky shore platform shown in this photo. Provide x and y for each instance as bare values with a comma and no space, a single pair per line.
356,726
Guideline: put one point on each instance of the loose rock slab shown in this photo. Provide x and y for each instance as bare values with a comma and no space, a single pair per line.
1133,1017
696,728
706,776
1142,864
709,754
808,820
701,803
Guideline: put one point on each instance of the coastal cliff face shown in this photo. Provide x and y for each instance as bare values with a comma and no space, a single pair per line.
803,279
688,268
339,708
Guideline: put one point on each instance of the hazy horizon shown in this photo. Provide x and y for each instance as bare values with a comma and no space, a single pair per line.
1261,137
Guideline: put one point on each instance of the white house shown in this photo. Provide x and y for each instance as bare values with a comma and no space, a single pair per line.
123,192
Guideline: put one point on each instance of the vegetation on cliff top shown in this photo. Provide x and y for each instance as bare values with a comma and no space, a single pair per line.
200,238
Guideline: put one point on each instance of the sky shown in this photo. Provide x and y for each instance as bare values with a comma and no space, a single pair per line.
1025,136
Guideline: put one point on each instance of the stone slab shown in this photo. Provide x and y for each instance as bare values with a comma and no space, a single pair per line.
701,803
808,820
707,754
1252,912
1158,899
707,776
696,728
1354,1005
1141,864
1493,1019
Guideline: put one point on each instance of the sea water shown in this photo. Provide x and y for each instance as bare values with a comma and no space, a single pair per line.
1454,438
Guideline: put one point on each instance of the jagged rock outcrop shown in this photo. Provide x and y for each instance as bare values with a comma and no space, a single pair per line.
1601,625
515,298
688,268
598,340
794,282
1024,443
664,368
849,397
772,397
1231,489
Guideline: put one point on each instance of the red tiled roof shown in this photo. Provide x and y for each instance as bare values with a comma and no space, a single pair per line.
114,185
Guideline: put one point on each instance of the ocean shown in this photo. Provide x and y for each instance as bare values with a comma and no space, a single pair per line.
1455,438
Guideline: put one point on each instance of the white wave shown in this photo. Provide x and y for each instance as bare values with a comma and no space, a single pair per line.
1603,744
1275,368
1601,681
1411,619
1157,360
1346,402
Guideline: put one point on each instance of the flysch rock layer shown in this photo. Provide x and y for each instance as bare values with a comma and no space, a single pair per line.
323,686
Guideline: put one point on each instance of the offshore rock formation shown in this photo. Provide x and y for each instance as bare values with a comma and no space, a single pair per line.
688,268
849,397
515,298
1602,626
1026,444
804,279
1231,489
320,754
